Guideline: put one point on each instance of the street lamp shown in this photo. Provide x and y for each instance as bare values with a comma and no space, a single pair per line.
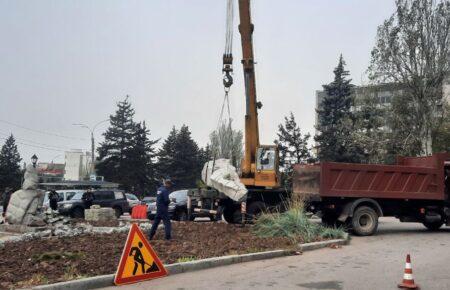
34,160
92,139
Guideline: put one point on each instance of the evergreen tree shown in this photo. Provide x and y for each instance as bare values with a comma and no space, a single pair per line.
336,121
10,173
166,156
292,146
180,159
141,160
369,132
205,154
126,154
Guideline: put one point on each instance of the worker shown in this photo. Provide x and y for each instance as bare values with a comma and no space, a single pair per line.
87,198
162,210
6,197
53,197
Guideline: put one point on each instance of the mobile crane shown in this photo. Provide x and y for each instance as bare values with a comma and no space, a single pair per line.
259,167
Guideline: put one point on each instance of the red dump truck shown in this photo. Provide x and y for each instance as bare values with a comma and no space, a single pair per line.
415,189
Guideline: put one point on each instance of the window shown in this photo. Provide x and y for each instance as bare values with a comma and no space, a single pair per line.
69,195
60,196
265,159
104,195
118,195
132,197
77,196
179,195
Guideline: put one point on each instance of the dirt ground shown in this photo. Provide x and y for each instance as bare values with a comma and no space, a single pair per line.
54,259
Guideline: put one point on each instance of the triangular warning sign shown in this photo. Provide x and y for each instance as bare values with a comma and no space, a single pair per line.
139,261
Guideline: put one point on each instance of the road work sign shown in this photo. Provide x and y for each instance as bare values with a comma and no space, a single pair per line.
139,261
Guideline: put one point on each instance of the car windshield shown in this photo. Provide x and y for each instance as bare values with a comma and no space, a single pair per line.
131,196
179,195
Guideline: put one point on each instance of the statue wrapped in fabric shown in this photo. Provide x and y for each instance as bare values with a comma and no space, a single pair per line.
25,203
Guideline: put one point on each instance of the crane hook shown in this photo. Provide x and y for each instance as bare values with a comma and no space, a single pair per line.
227,80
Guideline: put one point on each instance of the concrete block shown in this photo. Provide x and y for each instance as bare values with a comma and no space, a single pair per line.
99,214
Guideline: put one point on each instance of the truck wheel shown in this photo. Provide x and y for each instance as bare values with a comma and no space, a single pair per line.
78,213
433,226
364,221
255,209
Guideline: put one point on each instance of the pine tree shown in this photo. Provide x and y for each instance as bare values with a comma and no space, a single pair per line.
166,156
126,154
336,121
141,161
179,158
205,154
292,146
10,173
369,132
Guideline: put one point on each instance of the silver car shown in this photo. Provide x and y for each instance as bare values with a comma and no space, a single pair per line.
132,199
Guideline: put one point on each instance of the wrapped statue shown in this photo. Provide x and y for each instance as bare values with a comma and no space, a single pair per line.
25,203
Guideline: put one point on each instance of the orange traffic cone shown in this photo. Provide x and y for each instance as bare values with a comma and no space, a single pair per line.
408,280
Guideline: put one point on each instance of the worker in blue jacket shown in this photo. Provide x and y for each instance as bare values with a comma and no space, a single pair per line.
162,210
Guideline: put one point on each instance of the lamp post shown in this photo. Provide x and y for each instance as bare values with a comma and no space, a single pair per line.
92,140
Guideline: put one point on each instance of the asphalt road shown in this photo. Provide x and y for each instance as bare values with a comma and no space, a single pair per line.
375,262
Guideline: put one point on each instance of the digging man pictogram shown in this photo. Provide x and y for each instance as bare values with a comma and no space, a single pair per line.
139,260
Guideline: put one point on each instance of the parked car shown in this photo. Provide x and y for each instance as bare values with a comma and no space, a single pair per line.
115,199
64,195
149,199
177,206
132,199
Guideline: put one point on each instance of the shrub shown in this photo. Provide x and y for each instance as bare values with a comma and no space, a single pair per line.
295,225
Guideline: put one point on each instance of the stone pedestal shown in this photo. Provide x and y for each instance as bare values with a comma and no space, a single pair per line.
99,214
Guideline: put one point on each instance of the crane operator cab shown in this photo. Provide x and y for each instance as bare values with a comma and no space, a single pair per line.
267,166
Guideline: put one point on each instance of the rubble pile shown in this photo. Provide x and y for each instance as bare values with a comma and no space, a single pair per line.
64,227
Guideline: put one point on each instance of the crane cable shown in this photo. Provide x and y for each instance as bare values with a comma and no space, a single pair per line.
227,67
227,70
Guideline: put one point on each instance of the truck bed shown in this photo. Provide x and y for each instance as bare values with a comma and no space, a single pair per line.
410,178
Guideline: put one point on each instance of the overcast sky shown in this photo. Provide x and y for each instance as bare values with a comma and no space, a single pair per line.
65,62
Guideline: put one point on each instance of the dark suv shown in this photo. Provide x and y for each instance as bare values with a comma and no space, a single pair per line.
115,199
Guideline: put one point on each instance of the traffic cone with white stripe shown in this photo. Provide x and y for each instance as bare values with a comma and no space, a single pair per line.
408,280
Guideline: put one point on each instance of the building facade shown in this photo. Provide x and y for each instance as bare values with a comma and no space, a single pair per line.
78,165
